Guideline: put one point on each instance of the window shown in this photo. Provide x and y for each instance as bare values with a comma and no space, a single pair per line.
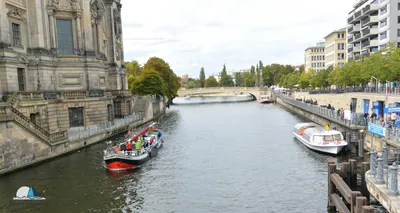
64,37
398,32
313,65
16,34
312,58
340,65
398,6
383,36
341,46
382,46
398,19
76,117
117,110
340,56
383,23
21,79
338,35
383,10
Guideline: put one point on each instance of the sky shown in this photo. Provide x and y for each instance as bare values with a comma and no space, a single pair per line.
190,34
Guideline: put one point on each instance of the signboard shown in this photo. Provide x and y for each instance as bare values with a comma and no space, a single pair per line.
376,129
347,114
394,109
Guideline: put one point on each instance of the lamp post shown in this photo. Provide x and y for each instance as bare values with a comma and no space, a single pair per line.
38,78
376,82
361,144
386,87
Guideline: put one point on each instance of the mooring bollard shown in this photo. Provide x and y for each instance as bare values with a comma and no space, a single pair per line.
379,176
372,162
393,180
385,153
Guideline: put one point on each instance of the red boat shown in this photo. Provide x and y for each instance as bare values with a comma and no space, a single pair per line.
144,145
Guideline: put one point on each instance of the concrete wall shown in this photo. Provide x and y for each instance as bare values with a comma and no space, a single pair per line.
19,148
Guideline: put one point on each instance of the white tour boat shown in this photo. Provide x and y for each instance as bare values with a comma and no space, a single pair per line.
264,99
317,138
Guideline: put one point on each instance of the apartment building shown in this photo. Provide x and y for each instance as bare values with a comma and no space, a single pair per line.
335,48
315,57
372,24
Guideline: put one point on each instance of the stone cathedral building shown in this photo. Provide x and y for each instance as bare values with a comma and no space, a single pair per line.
61,64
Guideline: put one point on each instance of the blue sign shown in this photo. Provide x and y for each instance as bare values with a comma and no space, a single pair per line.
376,129
394,109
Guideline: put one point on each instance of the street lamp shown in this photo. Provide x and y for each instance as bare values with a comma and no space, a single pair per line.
37,69
386,95
376,82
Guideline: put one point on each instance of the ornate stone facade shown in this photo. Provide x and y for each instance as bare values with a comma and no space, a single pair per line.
62,59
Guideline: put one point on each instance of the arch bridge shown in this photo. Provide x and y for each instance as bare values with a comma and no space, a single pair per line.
224,91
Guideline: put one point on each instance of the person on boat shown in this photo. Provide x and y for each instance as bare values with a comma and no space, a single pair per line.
123,147
129,147
151,140
138,146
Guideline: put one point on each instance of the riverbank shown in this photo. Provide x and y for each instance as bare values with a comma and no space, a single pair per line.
213,98
28,150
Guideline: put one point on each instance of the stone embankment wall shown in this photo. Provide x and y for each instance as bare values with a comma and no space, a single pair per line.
20,148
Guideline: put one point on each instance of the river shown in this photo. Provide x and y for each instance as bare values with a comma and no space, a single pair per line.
236,157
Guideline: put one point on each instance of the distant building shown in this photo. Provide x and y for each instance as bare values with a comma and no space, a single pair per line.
297,68
218,77
184,78
314,57
335,48
371,25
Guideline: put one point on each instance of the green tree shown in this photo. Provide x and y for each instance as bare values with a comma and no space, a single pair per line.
149,82
239,79
202,77
133,68
226,80
305,79
211,82
171,81
191,84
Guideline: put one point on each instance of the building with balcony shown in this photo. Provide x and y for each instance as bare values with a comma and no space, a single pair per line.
314,57
62,63
372,24
335,48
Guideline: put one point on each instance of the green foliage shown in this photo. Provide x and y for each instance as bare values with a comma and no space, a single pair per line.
202,77
211,82
191,84
226,80
305,80
149,82
170,79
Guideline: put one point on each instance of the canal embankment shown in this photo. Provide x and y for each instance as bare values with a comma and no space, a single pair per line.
352,124
21,148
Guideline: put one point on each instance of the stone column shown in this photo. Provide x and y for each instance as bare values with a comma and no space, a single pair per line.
4,27
87,28
79,31
53,42
99,35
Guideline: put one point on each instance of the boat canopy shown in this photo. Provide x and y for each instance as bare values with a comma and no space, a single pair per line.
300,125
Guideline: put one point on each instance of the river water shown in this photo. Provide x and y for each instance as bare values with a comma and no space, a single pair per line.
237,157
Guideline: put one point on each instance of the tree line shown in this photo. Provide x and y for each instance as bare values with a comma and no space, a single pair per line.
155,77
256,75
383,66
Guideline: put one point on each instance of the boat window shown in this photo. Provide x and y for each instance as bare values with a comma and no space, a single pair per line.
332,137
318,138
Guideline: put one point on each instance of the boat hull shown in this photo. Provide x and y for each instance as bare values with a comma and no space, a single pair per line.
333,150
121,163
264,101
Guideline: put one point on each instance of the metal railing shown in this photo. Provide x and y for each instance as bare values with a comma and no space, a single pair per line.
380,90
383,173
75,134
357,119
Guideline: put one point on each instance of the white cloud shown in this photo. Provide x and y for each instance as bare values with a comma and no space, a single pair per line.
238,33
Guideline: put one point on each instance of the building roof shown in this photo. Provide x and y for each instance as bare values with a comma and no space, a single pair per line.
336,31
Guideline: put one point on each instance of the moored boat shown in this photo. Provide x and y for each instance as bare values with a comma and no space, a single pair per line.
318,138
135,151
264,99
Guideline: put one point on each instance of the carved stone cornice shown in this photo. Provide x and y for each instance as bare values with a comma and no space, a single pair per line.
108,2
96,9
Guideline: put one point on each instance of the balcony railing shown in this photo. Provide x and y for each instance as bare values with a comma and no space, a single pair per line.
350,30
350,39
358,14
366,31
357,36
370,8
370,20
365,44
349,20
350,50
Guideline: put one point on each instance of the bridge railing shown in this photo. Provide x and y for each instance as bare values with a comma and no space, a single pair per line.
357,119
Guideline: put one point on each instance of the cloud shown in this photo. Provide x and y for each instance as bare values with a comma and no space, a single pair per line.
237,33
